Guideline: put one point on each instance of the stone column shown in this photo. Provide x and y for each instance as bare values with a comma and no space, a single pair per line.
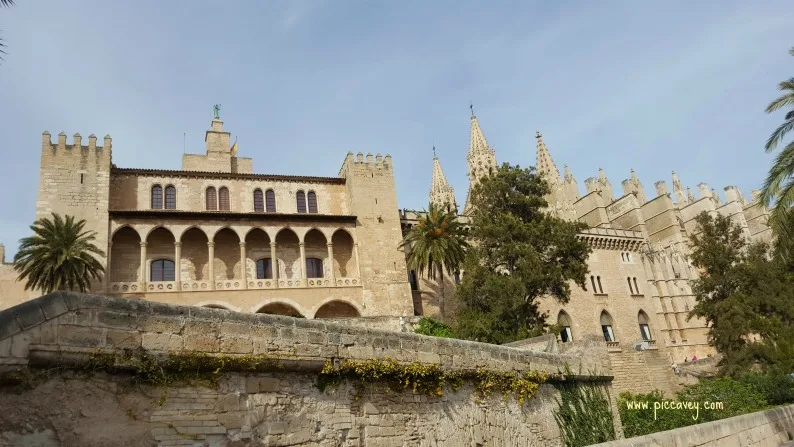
107,268
142,275
303,261
274,263
211,248
358,266
243,270
331,263
178,264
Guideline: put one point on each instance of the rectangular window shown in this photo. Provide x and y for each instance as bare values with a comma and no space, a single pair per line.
607,330
646,332
565,334
270,201
314,268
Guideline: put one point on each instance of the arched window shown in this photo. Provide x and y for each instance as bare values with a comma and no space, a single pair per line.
636,287
212,199
314,268
259,202
157,197
162,270
223,196
565,327
631,288
606,326
592,281
645,329
312,199
600,289
301,199
264,269
270,201
412,280
170,197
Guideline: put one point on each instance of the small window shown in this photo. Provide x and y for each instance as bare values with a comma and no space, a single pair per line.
606,327
259,202
300,197
314,268
592,281
264,269
223,196
636,288
412,280
312,199
270,201
162,270
157,197
565,327
457,277
600,289
645,329
631,288
212,199
170,197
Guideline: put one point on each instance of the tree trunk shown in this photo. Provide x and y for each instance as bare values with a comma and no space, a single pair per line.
443,297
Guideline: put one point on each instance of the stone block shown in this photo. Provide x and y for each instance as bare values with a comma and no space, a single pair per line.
8,325
123,339
161,324
236,345
81,336
53,305
117,320
162,342
29,314
49,333
277,428
229,402
201,343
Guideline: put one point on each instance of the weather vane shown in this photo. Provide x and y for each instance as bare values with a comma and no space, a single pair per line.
216,110
434,149
471,106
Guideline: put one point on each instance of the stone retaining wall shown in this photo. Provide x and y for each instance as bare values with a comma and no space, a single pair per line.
764,428
279,408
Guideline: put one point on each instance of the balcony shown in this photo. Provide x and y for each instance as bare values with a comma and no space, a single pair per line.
120,288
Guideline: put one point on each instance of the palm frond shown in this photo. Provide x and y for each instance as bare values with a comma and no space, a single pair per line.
59,256
785,99
779,133
781,170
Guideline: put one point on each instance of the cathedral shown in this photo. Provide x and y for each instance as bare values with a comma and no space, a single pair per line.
217,234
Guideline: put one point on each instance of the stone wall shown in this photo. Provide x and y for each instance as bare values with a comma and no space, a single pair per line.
764,428
278,408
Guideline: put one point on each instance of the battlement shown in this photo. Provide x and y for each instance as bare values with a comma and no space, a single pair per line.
359,162
77,142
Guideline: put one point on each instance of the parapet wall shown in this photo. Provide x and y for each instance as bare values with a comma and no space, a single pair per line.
278,408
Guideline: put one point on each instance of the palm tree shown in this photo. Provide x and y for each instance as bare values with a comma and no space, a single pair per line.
59,256
7,4
437,244
779,184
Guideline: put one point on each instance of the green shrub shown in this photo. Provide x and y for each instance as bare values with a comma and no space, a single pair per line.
641,417
584,415
777,388
434,328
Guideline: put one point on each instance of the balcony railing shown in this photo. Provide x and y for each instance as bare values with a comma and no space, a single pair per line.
230,284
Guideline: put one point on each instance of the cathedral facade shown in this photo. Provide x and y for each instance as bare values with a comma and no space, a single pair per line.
217,234
638,292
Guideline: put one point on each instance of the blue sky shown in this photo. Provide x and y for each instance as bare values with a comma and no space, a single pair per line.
653,86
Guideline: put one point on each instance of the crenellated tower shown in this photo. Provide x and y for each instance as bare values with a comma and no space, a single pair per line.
75,180
481,159
441,193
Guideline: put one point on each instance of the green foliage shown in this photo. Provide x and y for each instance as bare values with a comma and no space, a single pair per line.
59,256
779,184
163,371
584,415
434,328
744,296
519,254
776,387
430,379
437,244
736,397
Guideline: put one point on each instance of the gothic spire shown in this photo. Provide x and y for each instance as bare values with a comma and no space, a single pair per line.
441,193
545,164
481,158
